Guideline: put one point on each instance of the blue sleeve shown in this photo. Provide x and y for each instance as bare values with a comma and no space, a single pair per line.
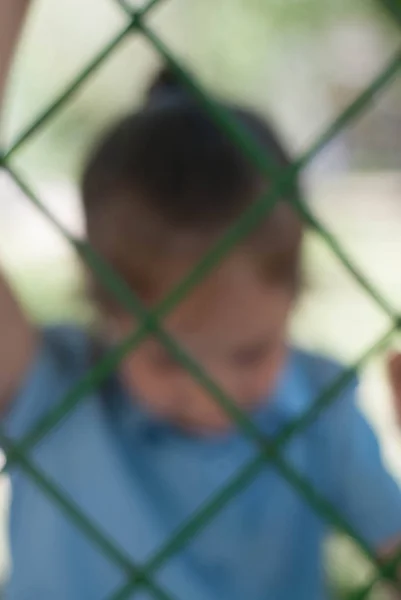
367,495
59,363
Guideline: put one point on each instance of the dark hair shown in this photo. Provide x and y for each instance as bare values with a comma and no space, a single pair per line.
169,172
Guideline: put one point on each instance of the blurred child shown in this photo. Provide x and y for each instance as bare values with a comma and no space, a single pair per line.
149,447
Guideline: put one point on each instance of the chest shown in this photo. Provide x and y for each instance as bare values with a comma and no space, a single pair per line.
222,524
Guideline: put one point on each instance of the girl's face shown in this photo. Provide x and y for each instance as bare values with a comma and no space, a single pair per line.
234,326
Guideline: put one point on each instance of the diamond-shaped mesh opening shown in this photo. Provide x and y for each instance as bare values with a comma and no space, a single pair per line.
134,16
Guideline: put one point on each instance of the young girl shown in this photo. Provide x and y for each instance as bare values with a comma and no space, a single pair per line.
149,447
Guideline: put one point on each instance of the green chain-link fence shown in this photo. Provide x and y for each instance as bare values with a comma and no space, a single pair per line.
151,322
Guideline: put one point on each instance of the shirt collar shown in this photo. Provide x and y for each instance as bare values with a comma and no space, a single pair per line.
292,391
286,403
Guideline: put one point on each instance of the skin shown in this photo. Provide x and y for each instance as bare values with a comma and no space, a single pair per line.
18,338
234,324
394,374
12,14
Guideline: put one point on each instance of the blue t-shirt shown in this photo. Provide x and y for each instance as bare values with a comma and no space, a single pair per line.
139,481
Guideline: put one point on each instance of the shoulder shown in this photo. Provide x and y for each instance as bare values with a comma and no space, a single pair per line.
68,345
63,358
320,367
63,352
331,384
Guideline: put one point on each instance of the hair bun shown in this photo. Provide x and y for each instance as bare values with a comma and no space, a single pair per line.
165,86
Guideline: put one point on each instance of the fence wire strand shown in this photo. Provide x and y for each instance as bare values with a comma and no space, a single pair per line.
268,452
236,233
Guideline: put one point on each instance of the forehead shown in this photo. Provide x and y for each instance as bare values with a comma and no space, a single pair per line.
234,303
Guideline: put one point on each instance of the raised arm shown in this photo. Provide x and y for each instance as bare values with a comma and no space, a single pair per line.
12,13
17,336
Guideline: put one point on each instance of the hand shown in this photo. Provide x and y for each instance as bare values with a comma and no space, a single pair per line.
12,13
394,373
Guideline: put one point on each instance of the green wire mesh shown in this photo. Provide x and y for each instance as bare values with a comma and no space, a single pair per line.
269,451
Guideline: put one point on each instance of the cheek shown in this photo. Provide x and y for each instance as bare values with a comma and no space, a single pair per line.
144,381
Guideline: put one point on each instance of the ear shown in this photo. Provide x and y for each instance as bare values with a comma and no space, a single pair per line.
394,373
